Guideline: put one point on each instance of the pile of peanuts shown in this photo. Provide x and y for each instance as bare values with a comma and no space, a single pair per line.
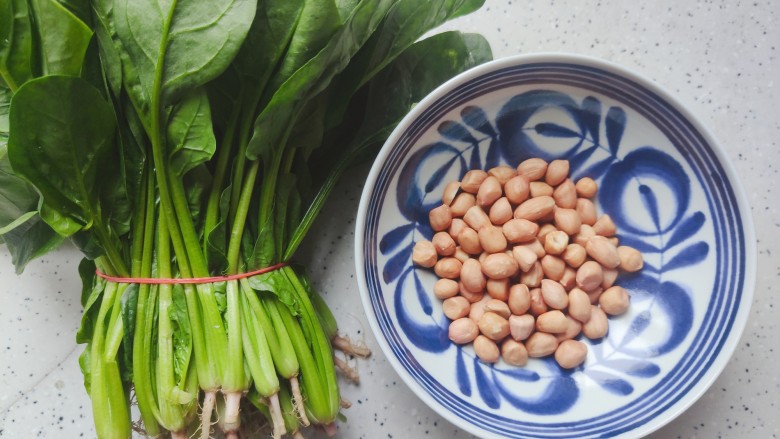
525,264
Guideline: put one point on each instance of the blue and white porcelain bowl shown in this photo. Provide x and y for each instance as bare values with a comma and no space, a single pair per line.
663,179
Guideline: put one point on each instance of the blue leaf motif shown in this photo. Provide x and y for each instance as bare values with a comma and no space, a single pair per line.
396,264
637,368
611,383
554,130
638,326
409,189
476,161
428,337
581,157
422,295
476,118
438,175
558,397
485,386
519,373
651,203
464,382
639,244
392,239
615,124
598,169
591,115
686,229
493,154
691,255
455,131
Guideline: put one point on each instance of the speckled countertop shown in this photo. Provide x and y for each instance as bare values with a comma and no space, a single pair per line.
720,58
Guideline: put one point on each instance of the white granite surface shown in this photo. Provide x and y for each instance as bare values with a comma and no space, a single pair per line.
719,57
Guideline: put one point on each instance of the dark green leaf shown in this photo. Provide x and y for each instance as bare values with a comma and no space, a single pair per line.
190,40
61,131
190,134
91,295
110,60
129,303
182,334
30,240
62,38
276,282
15,43
197,183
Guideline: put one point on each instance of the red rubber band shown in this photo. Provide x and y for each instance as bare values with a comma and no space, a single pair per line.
192,280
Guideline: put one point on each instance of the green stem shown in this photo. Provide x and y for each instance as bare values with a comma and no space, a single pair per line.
9,80
239,221
258,353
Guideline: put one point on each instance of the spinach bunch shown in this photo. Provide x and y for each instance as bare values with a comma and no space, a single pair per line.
193,138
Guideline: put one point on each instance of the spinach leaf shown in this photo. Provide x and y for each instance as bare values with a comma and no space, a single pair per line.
190,134
15,43
61,131
62,38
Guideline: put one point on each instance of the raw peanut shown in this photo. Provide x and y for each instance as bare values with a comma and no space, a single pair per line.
586,187
535,208
587,211
514,353
462,203
472,277
532,169
533,277
553,267
554,295
482,257
499,307
589,276
476,218
545,230
557,171
579,305
519,230
521,327
586,232
443,243
609,277
463,331
472,180
424,254
630,259
455,307
555,242
503,173
499,266
492,239
525,257
469,241
486,349
565,195
574,255
493,326
489,191
456,226
460,254
440,218
535,246
569,278
603,251
541,344
573,329
500,212
614,300
498,288
517,189
571,353
445,288
614,241
539,188
478,309
567,220
471,297
597,326
594,295
448,268
450,191
552,322
519,299
538,306
604,226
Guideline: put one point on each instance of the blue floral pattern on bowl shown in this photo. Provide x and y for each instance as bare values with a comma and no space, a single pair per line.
661,183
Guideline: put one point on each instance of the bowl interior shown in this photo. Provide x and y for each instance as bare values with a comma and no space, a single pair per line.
662,180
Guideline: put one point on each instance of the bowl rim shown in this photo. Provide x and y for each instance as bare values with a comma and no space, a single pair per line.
740,321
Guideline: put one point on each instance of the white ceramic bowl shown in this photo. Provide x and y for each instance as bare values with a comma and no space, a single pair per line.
664,180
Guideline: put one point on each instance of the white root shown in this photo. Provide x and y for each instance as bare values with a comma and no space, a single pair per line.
344,344
298,435
346,369
276,416
209,401
232,420
345,403
179,434
298,401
